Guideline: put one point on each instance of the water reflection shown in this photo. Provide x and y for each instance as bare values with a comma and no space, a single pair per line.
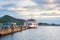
41,33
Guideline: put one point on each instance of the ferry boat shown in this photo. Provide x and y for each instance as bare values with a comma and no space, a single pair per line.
31,23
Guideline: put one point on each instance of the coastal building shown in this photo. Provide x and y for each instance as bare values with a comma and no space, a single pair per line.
31,23
14,24
1,25
9,24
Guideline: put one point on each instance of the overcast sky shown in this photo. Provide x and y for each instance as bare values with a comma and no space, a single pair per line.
41,10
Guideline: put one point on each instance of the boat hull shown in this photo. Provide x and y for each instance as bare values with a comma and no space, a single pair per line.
32,26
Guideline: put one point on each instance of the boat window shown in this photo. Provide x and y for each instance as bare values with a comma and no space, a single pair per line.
30,23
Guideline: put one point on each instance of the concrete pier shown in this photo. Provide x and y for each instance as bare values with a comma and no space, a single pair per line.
12,30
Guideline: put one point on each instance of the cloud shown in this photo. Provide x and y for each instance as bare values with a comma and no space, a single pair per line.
47,1
40,1
57,1
8,5
37,9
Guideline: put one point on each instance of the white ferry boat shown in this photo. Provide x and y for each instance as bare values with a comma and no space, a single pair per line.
31,23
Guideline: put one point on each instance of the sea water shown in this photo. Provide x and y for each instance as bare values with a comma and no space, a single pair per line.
40,33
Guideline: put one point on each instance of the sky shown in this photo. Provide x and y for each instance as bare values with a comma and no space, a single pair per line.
42,10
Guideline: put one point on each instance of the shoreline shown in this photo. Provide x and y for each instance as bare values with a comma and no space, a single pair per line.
13,30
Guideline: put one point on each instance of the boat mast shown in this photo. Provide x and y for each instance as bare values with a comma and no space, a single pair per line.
32,16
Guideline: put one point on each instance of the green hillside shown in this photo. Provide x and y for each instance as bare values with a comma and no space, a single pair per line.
11,19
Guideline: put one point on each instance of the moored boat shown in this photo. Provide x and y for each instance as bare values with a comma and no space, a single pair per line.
31,23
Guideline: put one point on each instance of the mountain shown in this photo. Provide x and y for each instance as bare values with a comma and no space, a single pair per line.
11,19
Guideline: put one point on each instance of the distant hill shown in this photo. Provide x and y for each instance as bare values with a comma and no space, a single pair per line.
47,24
11,19
43,23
